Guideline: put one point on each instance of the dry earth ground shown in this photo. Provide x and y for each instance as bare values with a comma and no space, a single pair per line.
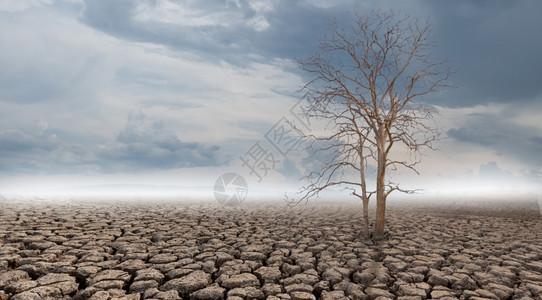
169,250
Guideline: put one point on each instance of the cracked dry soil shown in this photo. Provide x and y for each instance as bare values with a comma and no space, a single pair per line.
202,251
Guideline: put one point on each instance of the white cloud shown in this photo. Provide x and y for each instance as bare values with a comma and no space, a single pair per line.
324,3
41,125
261,5
187,14
100,80
21,5
504,129
183,13
259,23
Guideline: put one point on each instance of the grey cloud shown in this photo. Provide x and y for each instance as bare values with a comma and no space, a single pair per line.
111,17
157,89
22,152
20,141
532,175
143,145
171,105
118,19
317,156
140,145
294,29
504,137
289,169
491,172
15,88
494,46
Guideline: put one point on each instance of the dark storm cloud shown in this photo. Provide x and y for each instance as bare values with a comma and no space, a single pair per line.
495,48
493,45
502,136
119,19
293,30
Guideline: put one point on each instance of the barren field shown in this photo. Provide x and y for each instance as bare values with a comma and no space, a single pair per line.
167,250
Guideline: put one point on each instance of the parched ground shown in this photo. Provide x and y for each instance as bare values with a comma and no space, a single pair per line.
126,250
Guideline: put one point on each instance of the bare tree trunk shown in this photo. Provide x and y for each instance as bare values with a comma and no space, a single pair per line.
366,216
364,197
380,216
380,185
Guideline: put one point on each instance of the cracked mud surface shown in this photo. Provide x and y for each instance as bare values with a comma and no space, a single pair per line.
202,251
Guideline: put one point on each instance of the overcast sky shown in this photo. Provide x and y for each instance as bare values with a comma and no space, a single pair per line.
170,92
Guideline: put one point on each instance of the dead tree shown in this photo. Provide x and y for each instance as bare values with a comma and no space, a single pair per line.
367,81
